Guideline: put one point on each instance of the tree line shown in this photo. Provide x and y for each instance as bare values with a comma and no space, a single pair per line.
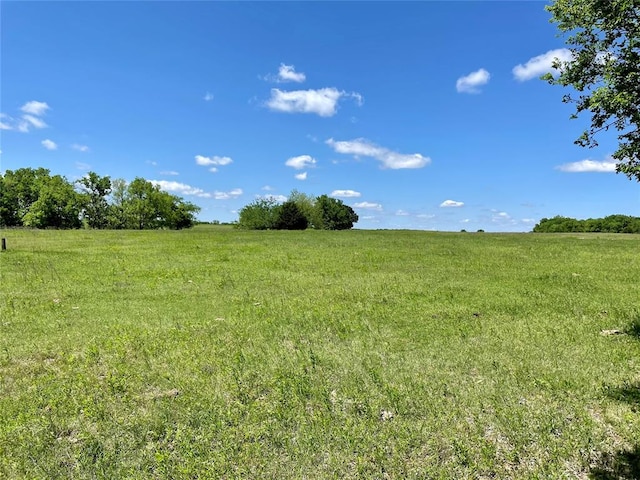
298,212
610,224
34,198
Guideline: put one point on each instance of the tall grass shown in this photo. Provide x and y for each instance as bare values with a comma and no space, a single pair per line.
218,353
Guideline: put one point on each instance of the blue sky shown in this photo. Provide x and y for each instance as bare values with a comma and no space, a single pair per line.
421,115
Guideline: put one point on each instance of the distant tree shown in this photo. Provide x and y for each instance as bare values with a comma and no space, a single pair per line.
95,190
609,224
261,214
19,189
306,204
116,215
58,206
604,70
290,217
333,214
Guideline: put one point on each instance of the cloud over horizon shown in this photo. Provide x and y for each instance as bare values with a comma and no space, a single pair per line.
212,162
451,204
345,194
388,158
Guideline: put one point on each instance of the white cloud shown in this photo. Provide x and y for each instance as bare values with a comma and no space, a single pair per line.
287,73
169,172
323,102
275,198
426,215
180,188
208,97
605,166
345,194
33,122
389,158
267,188
31,113
402,213
49,144
301,176
451,203
80,148
35,108
471,82
300,162
368,206
541,64
213,162
235,193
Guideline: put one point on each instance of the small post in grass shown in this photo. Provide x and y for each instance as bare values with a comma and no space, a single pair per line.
4,244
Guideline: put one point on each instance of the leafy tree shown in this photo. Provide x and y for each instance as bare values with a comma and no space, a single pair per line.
290,217
95,190
58,206
306,204
609,224
19,189
333,214
116,215
605,70
261,214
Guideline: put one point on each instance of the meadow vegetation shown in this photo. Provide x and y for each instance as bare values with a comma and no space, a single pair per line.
223,353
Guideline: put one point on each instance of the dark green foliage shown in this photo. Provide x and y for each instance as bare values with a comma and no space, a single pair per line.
95,192
33,198
610,224
297,213
290,217
334,214
605,70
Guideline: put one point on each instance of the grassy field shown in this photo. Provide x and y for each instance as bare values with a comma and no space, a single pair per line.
218,353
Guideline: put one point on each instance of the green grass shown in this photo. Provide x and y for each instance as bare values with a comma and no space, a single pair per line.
218,353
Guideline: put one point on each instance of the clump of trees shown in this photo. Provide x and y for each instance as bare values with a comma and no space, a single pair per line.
299,212
34,198
610,224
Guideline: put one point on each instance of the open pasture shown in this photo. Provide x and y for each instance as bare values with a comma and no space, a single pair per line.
219,353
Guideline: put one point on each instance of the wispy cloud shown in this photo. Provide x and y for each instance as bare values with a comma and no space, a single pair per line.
213,162
208,97
287,73
235,193
35,108
300,162
275,198
322,102
184,189
368,206
85,167
451,204
180,188
537,66
402,213
80,148
169,172
301,176
388,158
471,82
29,118
345,194
605,166
49,144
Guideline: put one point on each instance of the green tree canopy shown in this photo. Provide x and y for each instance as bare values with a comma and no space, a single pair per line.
605,71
